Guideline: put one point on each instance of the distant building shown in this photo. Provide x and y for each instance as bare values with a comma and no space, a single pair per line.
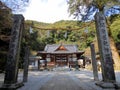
60,55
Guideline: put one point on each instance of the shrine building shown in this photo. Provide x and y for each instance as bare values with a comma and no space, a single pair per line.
60,55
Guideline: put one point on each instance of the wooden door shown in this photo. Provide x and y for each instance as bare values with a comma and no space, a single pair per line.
61,60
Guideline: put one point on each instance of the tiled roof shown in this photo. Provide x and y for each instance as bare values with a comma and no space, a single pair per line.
53,48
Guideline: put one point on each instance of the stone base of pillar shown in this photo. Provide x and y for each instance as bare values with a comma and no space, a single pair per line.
108,85
11,86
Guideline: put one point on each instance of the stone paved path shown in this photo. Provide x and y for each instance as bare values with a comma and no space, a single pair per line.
60,80
73,80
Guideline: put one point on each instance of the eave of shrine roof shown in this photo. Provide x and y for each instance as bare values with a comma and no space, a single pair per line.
54,47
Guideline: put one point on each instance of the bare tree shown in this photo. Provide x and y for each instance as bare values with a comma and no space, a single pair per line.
85,9
16,5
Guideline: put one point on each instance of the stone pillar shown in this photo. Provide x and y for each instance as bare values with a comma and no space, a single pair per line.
68,60
26,64
38,64
84,62
11,71
104,48
46,63
94,64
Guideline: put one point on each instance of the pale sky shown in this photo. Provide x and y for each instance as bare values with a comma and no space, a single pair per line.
48,11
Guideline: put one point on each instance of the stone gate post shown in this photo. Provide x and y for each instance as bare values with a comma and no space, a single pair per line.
11,71
104,48
94,64
108,74
26,64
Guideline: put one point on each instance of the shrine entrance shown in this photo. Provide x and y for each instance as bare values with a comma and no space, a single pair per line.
61,60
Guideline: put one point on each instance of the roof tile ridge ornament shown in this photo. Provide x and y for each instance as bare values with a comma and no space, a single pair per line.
61,46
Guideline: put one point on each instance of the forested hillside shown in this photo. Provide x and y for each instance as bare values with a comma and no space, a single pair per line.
68,32
115,29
